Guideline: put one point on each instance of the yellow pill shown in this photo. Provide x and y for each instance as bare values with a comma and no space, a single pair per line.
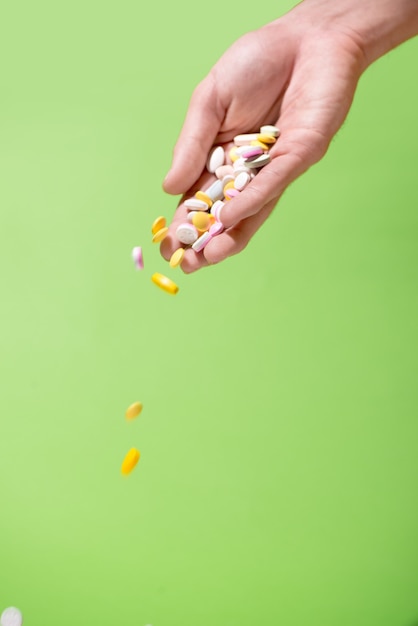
130,460
229,185
201,220
260,144
201,195
233,154
177,257
158,224
266,138
160,235
164,283
133,411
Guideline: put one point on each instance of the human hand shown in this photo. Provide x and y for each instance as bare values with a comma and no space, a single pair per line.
299,73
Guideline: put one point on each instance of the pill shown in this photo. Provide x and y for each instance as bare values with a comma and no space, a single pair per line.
11,617
160,235
242,180
222,171
130,460
138,258
215,191
266,138
201,195
241,140
260,144
200,243
190,215
201,221
270,130
216,229
226,179
229,185
164,283
231,193
259,161
217,206
252,151
158,224
133,410
233,156
177,257
196,205
186,233
216,158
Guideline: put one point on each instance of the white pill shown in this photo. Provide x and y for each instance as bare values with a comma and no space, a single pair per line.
187,233
200,243
259,161
270,130
190,215
216,207
242,140
11,617
215,191
242,180
215,159
227,179
196,205
238,163
240,149
222,171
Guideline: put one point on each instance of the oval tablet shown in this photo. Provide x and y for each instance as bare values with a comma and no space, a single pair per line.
231,193
196,205
133,410
177,257
223,171
270,130
264,138
138,258
160,235
241,140
242,180
259,161
215,191
200,243
164,283
215,159
130,460
201,195
158,224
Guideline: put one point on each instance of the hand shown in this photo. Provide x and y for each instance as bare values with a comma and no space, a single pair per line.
299,73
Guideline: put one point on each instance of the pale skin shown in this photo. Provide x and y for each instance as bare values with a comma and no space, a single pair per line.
299,73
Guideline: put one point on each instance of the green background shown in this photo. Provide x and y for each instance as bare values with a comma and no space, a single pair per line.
278,478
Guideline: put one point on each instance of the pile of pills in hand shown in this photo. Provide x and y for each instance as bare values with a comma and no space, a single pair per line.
234,170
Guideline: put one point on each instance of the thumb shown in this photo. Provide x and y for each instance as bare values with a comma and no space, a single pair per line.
200,128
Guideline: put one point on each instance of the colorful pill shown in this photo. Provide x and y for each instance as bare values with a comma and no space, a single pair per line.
133,410
215,159
241,140
186,233
252,151
242,180
216,229
229,185
231,193
130,460
200,243
177,257
222,171
138,258
164,283
190,216
196,205
259,161
226,179
215,191
160,235
270,130
217,206
158,224
233,156
201,221
266,138
201,195
260,144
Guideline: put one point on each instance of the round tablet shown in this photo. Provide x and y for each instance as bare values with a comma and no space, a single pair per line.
177,257
186,233
160,235
157,224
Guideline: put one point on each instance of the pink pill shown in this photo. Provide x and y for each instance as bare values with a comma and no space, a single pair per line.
138,258
253,151
215,229
231,193
200,243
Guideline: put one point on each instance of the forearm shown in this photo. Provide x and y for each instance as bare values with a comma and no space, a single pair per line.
377,26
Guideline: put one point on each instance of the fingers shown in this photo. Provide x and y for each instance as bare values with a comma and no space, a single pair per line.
293,154
200,128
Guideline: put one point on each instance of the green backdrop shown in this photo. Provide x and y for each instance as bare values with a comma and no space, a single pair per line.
278,478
